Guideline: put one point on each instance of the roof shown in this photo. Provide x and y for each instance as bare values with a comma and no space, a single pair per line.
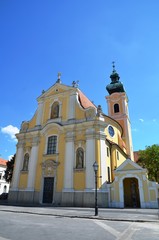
3,162
85,102
118,145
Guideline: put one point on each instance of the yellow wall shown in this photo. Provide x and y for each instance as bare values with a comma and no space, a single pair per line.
79,180
23,180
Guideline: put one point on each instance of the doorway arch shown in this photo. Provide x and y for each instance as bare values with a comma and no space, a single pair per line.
131,192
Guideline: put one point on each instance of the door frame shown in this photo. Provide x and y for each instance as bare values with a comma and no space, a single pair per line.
121,190
53,185
131,192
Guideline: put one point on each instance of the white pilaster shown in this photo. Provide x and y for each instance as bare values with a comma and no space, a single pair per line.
18,166
72,102
69,162
39,113
90,158
108,103
32,164
103,165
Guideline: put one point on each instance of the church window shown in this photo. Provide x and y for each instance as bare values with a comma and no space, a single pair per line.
79,158
117,155
26,162
108,174
116,108
55,110
107,152
52,144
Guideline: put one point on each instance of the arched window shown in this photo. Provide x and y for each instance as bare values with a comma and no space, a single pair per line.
116,108
79,158
55,110
26,162
52,145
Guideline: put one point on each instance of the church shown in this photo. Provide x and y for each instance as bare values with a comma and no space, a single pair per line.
57,148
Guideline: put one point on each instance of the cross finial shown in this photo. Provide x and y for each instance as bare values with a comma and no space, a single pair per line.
58,77
113,66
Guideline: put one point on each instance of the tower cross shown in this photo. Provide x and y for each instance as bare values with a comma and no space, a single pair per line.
113,66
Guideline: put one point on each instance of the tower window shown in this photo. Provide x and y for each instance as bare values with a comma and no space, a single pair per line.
52,143
116,108
117,155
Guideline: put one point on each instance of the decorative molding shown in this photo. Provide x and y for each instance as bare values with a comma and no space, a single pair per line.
24,126
90,113
49,167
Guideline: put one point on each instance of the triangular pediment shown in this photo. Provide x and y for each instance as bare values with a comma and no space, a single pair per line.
57,88
129,165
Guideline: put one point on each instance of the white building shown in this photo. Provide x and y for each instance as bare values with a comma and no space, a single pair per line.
4,186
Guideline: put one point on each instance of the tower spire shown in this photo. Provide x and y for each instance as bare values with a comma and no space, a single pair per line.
115,85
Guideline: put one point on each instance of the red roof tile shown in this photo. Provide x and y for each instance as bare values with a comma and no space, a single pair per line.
85,102
3,162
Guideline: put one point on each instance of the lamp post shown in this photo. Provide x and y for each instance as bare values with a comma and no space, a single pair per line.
95,166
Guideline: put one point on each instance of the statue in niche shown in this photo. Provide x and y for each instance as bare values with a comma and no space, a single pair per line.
26,162
79,158
55,110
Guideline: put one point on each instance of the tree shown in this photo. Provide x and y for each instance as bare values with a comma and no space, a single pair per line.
149,158
9,170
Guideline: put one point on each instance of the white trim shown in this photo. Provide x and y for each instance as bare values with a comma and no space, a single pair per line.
90,159
121,189
72,105
69,163
32,167
103,163
39,113
18,164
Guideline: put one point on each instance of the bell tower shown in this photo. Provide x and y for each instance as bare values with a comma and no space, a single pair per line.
117,101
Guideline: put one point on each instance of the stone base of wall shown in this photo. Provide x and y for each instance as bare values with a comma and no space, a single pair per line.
65,198
23,197
84,198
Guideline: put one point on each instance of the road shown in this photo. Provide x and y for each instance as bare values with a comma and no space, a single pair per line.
24,226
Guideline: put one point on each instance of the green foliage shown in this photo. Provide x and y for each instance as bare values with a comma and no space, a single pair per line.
9,170
149,158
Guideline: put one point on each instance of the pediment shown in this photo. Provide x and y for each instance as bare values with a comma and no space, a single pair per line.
129,165
57,88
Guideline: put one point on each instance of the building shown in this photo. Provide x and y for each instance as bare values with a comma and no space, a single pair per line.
57,148
4,186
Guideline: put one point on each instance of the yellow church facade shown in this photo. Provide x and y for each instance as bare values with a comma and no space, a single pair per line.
57,148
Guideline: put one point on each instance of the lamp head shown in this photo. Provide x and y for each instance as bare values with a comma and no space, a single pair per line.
95,166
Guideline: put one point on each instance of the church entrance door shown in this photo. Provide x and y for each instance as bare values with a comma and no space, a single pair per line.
131,193
48,189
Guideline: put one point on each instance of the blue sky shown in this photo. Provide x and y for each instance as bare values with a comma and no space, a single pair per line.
79,38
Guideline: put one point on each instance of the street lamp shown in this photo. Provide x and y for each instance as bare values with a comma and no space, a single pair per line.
95,166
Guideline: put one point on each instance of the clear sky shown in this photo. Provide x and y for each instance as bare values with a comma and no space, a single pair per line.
79,38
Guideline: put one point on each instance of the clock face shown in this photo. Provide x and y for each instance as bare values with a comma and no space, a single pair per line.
111,131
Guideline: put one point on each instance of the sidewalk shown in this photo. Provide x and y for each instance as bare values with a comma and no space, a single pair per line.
112,214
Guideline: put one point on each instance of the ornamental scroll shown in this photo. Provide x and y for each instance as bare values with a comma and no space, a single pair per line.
49,167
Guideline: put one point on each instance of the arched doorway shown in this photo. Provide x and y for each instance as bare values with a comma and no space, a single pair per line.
131,193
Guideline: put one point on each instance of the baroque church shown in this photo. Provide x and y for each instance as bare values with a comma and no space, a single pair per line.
57,148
